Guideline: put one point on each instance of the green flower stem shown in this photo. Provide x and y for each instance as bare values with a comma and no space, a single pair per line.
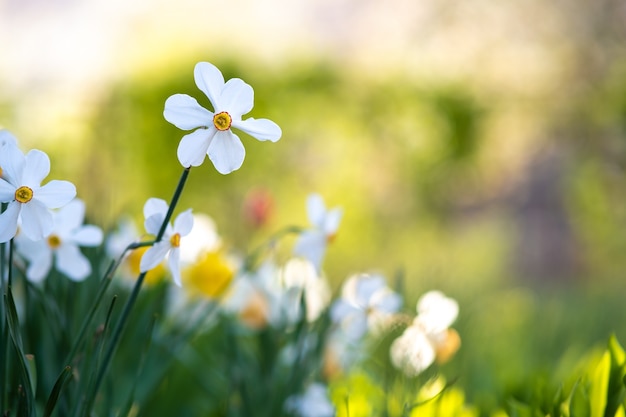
119,328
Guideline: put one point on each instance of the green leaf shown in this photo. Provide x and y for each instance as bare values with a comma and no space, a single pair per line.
14,331
599,385
578,402
56,390
616,389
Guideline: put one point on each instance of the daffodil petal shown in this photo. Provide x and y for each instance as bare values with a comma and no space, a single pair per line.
8,221
154,223
226,152
154,256
56,193
7,137
155,206
70,216
184,223
37,220
174,264
12,163
193,147
210,81
39,266
185,113
261,129
36,168
332,220
7,191
237,98
87,235
71,262
311,245
316,210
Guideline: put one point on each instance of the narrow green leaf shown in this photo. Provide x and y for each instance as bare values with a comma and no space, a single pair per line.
14,331
56,391
616,389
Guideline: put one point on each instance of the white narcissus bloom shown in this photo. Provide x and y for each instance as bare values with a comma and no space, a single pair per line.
366,303
28,200
61,246
313,403
300,279
212,134
155,211
429,337
312,243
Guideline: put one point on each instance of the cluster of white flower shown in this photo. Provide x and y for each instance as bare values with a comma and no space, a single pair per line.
45,220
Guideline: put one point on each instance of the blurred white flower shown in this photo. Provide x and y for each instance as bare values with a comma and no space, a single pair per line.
212,134
61,246
125,234
29,202
429,337
314,402
312,243
301,282
366,303
154,212
203,238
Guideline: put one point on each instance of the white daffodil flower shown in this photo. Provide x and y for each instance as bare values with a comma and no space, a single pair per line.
61,246
125,234
366,303
212,134
312,243
29,202
429,337
300,279
314,402
155,211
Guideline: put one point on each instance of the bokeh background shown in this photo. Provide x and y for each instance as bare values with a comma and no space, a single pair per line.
476,147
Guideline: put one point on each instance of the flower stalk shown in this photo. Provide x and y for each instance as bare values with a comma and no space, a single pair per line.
121,324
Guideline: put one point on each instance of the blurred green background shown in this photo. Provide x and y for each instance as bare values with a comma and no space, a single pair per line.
479,149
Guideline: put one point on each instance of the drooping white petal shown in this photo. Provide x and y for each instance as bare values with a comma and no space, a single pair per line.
154,256
193,147
316,210
70,216
237,98
12,163
174,264
185,113
261,129
340,310
36,168
8,221
210,81
412,352
183,223
155,206
37,220
154,223
226,152
72,263
311,245
40,265
386,301
55,193
88,235
7,191
355,325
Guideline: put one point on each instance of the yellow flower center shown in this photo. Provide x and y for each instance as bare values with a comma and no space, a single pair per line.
54,241
0,172
222,121
24,194
175,240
